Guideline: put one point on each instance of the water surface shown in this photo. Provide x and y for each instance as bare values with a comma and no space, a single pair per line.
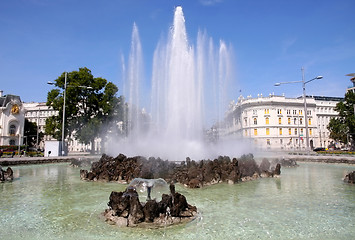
311,201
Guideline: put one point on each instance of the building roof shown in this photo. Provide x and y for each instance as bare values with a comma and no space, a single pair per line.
8,98
323,98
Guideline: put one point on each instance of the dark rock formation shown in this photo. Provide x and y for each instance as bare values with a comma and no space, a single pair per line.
350,178
125,209
190,173
7,175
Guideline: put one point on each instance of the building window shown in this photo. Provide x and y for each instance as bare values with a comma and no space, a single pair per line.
289,131
255,112
267,120
294,112
301,120
300,112
309,121
295,121
288,111
309,112
301,131
12,130
245,121
255,121
295,131
267,111
268,142
280,131
268,131
280,121
255,132
12,142
246,132
279,111
310,131
280,141
289,120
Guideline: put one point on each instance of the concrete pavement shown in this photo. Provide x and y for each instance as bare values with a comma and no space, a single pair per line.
17,160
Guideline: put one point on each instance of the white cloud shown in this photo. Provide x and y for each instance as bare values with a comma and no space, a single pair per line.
210,2
287,44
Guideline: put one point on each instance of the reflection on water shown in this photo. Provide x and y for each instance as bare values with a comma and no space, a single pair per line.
311,201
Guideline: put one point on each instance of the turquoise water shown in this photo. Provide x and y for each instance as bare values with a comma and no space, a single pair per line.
311,201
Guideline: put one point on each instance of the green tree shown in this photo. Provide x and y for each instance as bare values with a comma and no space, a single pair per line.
30,133
86,109
344,125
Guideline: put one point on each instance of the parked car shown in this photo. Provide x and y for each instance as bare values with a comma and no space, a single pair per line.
319,149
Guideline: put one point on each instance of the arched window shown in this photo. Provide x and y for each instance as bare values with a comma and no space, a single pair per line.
267,120
268,131
12,142
280,121
12,130
255,121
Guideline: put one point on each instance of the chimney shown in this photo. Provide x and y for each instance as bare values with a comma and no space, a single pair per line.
1,93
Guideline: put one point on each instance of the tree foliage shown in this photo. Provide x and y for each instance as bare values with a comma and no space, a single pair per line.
30,132
344,125
88,112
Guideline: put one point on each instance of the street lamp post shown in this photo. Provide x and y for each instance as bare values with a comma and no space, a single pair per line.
304,100
64,96
63,123
37,134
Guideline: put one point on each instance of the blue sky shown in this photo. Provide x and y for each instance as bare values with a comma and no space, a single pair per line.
272,40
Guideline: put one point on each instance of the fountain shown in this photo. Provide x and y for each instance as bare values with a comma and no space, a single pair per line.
155,187
189,85
7,175
138,170
125,208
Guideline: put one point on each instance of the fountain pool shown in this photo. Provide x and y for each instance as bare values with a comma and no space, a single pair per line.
311,201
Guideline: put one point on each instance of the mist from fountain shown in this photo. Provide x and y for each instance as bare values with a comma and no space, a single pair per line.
189,85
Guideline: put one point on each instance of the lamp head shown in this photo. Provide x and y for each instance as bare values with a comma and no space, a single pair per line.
319,77
277,84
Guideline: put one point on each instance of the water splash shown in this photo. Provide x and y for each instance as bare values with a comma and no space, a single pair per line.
189,85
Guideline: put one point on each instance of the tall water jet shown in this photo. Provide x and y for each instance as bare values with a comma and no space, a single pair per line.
188,87
134,80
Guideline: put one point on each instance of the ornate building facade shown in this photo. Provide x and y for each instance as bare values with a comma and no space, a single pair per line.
12,119
277,122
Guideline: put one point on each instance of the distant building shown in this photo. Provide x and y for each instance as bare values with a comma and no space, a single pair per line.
277,122
38,112
12,120
352,79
